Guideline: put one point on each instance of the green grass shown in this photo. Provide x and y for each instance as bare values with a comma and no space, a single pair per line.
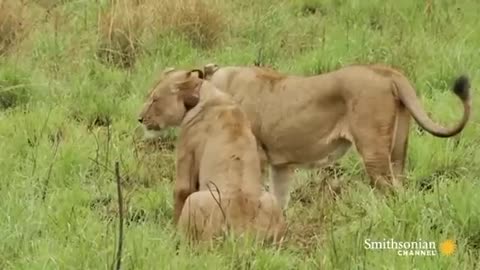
66,116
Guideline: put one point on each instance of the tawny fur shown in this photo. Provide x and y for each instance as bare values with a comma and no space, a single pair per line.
216,151
313,120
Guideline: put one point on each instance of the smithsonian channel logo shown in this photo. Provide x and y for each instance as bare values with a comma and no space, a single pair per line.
413,248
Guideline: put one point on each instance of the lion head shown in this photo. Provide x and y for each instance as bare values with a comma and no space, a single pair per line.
170,99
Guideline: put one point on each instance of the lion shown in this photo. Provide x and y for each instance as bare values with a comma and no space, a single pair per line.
311,121
218,184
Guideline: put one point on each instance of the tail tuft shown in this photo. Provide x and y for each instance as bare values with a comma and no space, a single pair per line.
461,88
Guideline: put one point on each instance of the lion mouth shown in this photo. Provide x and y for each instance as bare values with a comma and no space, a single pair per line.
152,127
152,131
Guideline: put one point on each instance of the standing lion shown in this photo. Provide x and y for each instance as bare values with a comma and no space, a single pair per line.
314,120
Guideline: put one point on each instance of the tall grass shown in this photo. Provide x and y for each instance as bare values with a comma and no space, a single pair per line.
126,26
73,75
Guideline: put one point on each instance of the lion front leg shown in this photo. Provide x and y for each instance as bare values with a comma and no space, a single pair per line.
281,178
186,183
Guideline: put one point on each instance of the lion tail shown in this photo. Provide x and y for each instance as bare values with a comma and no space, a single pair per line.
407,95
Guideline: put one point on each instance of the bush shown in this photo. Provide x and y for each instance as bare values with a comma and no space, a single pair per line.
197,20
14,89
12,25
309,7
125,25
120,29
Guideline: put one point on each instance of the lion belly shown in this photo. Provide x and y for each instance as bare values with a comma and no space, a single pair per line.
304,139
316,155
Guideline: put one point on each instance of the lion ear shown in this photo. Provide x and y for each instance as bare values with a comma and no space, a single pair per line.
191,100
199,73
190,95
209,69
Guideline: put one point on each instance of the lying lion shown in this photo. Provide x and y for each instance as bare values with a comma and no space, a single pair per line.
314,120
218,177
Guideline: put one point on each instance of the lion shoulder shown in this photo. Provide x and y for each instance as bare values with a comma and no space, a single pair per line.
265,73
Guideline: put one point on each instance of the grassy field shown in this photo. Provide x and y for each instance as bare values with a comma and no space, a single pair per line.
74,73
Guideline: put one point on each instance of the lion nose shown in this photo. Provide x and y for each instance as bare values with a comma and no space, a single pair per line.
140,119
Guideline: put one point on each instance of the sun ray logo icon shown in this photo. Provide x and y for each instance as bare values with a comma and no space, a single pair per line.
448,247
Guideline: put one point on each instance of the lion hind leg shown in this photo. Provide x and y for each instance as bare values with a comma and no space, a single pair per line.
379,169
374,127
269,223
202,218
376,153
400,144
